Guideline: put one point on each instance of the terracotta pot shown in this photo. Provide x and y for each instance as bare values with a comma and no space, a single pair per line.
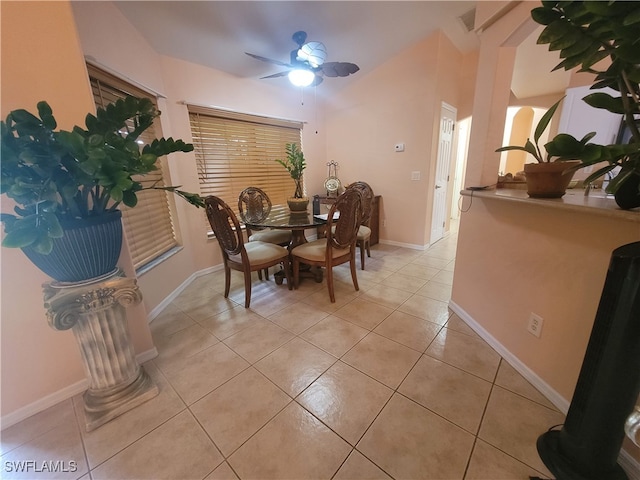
549,179
298,204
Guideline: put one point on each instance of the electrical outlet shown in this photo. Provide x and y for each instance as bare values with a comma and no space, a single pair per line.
535,325
415,175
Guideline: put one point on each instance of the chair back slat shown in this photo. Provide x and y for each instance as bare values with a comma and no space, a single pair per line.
254,205
342,233
225,225
367,200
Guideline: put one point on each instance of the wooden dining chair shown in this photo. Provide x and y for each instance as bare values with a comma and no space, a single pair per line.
254,206
364,232
339,246
238,255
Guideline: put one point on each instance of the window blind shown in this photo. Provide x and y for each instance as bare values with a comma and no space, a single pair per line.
236,150
148,227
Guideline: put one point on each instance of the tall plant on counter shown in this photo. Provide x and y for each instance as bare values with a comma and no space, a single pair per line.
601,38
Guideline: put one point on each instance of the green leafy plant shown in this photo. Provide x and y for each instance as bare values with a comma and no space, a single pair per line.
603,39
295,165
563,146
81,173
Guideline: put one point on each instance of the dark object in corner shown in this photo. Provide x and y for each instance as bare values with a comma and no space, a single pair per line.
588,445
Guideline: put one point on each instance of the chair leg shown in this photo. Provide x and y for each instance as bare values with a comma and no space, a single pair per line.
352,264
296,272
287,272
332,294
247,288
361,245
227,281
259,274
266,274
368,245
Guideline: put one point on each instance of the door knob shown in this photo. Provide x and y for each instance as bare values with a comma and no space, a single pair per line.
438,186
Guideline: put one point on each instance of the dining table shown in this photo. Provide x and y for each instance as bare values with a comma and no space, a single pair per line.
281,218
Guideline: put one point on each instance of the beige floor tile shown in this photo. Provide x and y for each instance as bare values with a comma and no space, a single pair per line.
295,365
444,276
422,272
282,449
358,467
470,354
513,424
344,293
511,380
106,441
435,290
386,296
238,409
346,400
298,317
170,321
383,359
408,441
334,335
222,472
408,330
272,302
199,374
158,455
456,395
459,325
451,266
207,304
488,462
182,344
431,261
34,426
230,322
258,341
61,443
427,309
259,288
404,282
363,313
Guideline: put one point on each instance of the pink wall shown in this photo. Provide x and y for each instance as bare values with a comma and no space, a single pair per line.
398,102
36,360
518,258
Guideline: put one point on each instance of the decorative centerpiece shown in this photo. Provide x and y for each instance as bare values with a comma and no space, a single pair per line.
295,165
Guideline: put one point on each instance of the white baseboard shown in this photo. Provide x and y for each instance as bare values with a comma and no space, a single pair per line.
629,464
412,246
61,395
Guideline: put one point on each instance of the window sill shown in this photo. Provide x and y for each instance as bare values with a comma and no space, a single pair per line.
596,203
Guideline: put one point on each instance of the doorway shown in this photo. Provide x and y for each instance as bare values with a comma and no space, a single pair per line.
443,164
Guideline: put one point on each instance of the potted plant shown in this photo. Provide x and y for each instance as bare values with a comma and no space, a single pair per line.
295,165
602,38
68,183
548,178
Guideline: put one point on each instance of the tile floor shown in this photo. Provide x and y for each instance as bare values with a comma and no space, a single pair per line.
385,383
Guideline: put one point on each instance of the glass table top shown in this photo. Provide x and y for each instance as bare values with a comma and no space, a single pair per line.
281,217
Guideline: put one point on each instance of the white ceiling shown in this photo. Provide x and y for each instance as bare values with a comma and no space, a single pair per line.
217,34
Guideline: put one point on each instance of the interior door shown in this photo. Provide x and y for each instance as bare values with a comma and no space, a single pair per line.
441,183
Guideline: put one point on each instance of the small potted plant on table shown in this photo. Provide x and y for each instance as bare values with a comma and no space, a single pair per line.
295,165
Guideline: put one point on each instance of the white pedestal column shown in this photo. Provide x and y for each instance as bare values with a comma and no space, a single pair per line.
95,311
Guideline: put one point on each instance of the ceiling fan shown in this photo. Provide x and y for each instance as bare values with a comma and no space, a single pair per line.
307,65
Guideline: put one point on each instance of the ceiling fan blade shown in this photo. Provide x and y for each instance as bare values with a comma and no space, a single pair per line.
316,81
269,60
338,69
276,75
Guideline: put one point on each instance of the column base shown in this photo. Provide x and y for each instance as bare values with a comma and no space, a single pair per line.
101,406
563,468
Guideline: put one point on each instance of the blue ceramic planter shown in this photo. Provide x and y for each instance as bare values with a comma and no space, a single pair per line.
89,248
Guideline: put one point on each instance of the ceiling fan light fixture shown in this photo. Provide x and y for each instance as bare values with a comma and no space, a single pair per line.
301,77
313,52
